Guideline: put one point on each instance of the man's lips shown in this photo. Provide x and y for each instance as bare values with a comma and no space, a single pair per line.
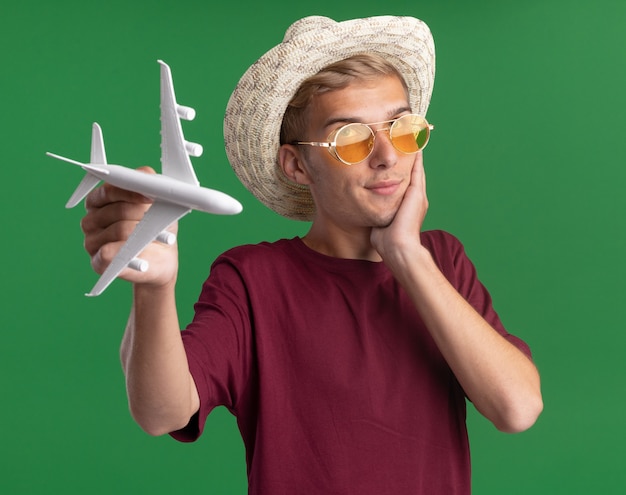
384,187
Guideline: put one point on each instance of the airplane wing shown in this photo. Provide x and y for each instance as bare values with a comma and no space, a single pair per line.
175,150
160,216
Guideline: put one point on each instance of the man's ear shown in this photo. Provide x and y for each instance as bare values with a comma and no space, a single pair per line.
290,159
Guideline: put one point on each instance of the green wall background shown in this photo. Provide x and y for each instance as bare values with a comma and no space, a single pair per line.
526,166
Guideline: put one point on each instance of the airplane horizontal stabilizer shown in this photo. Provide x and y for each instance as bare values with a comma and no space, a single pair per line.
85,186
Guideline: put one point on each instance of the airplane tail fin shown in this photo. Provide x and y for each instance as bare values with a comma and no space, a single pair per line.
98,157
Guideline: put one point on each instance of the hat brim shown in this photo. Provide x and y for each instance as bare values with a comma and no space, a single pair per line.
256,107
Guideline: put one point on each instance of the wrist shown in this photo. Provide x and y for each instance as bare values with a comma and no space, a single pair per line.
411,264
154,291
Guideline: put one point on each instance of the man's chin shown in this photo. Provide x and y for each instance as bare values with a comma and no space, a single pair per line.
383,221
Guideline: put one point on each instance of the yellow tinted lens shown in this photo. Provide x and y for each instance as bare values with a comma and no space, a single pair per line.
409,133
354,143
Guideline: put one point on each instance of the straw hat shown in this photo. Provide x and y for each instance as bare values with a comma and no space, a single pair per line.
255,110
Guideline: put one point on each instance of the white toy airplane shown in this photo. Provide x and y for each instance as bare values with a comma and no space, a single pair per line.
175,193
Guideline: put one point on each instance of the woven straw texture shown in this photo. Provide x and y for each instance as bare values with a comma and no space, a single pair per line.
256,107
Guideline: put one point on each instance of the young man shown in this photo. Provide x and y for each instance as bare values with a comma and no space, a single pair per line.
347,355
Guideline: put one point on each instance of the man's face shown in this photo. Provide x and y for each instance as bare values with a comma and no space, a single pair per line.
366,194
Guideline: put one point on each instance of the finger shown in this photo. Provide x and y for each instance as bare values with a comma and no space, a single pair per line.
103,256
418,167
100,232
161,259
119,231
100,218
418,175
415,203
111,194
97,235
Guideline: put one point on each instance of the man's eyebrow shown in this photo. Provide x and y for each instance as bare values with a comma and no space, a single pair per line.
353,120
399,110
341,120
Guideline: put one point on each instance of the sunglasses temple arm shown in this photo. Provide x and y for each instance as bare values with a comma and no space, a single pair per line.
315,143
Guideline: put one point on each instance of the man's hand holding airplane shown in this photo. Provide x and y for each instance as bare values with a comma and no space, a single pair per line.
112,215
120,225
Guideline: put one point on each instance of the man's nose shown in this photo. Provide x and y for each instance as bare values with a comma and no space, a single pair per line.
384,153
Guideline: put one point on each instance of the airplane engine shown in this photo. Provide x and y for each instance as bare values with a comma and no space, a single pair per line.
193,149
186,113
139,265
166,237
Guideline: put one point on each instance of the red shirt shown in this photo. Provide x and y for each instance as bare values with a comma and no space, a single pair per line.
336,384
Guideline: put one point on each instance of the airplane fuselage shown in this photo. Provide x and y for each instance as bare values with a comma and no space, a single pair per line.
162,187
165,188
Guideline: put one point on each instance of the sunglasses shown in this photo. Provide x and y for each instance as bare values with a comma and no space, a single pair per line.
353,143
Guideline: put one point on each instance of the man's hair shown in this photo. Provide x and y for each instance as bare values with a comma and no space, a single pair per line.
336,76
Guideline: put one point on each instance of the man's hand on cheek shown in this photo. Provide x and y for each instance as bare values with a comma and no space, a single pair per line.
402,234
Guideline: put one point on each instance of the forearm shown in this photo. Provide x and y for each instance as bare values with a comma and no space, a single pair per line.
498,378
161,392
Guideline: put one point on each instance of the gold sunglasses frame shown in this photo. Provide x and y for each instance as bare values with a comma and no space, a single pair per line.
331,145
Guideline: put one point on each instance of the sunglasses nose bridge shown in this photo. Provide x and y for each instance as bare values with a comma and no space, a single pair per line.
386,129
